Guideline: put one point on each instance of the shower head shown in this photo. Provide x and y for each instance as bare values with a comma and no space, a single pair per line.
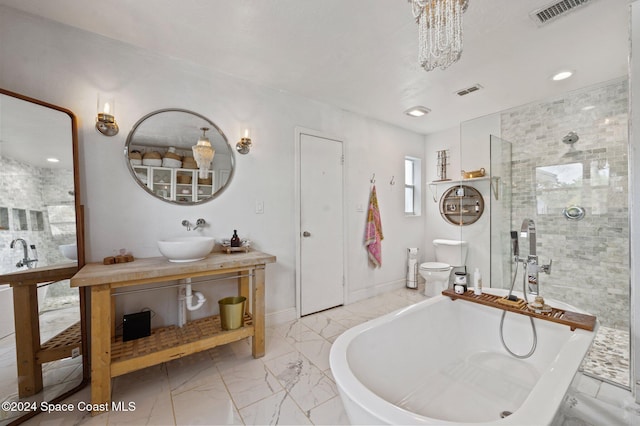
571,138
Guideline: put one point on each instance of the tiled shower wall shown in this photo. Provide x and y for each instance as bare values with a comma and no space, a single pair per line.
590,256
23,186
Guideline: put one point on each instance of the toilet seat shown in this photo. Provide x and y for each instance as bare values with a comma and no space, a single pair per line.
435,266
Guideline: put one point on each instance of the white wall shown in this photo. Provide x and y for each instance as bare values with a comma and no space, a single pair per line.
68,67
435,225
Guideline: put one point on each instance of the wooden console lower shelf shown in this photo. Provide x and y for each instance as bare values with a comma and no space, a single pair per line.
172,342
572,319
61,345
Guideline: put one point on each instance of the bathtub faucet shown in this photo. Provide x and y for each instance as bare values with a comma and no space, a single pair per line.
532,267
199,224
29,263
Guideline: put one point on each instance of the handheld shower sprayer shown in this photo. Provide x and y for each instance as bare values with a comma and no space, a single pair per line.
514,245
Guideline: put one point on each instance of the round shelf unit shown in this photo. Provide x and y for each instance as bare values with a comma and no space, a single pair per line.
461,205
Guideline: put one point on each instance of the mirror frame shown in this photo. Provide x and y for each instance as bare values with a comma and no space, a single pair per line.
148,190
79,214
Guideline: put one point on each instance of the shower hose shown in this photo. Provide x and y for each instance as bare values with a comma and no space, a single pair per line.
533,326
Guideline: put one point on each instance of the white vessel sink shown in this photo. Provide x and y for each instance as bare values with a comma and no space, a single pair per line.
70,251
186,249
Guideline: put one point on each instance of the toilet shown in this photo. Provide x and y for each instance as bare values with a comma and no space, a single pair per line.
449,254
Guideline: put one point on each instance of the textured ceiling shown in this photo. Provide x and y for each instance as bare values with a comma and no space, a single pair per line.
360,55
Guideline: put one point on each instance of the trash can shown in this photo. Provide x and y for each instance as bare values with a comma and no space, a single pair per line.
232,312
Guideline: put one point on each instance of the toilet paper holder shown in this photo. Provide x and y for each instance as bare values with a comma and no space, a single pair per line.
412,268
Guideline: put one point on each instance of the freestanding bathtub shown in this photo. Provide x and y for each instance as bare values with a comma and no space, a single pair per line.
441,362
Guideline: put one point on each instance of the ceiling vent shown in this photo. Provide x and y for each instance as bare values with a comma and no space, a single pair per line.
468,90
555,10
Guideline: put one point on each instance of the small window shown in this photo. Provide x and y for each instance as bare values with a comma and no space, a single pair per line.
412,187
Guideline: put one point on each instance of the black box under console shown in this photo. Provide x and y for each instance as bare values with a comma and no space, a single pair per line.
135,326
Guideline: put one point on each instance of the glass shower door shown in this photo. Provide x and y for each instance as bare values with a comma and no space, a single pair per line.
500,217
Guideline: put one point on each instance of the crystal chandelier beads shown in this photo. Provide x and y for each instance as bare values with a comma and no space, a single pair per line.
203,153
439,31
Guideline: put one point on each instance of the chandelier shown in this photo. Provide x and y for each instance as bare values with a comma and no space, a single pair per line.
203,154
439,31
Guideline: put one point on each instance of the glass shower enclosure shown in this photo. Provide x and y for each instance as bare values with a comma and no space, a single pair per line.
575,190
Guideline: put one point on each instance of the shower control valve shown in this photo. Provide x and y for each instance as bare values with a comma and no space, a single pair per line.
546,268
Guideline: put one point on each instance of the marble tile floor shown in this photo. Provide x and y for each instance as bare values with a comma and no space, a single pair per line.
58,376
291,384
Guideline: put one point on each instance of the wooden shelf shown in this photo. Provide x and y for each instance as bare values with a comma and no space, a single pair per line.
572,319
172,342
61,345
459,203
458,181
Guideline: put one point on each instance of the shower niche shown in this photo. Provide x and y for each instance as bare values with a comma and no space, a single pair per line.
461,205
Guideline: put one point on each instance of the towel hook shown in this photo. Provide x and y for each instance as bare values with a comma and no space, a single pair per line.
393,180
373,178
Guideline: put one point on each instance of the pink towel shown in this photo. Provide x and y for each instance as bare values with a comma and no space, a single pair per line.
373,233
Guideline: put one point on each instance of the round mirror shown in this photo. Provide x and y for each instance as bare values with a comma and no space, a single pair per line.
161,159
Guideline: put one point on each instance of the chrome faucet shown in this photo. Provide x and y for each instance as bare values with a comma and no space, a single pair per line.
528,230
199,224
29,263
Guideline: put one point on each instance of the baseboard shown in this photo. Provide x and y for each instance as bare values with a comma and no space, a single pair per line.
377,289
289,314
280,317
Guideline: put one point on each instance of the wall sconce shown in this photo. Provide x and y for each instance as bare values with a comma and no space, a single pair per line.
105,121
244,145
203,154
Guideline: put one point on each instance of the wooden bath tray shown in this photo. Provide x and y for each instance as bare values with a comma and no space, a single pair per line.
572,319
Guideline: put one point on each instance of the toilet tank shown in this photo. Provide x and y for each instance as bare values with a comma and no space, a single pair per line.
453,252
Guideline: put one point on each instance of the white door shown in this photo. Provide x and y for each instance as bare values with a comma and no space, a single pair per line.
321,224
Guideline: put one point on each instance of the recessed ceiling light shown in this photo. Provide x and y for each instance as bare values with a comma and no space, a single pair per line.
588,107
53,160
417,111
562,75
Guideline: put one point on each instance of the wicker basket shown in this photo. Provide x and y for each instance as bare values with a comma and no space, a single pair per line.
152,155
173,156
189,163
135,155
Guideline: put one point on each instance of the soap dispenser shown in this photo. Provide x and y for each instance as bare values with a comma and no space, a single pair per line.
235,240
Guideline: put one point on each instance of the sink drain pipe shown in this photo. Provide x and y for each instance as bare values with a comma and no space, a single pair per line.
185,300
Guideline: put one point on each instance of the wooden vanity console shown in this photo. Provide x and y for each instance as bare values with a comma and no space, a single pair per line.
30,352
111,357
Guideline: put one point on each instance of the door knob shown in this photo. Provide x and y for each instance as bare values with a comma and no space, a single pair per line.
306,234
